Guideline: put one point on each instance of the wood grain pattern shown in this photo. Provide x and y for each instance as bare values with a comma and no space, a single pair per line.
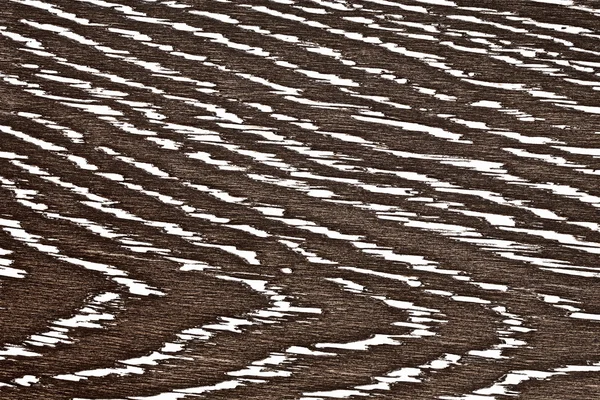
285,199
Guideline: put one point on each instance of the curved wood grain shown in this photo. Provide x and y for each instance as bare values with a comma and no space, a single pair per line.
282,199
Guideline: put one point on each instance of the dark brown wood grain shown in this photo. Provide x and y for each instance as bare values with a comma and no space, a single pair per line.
299,199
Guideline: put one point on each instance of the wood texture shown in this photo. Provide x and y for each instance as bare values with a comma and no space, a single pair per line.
284,199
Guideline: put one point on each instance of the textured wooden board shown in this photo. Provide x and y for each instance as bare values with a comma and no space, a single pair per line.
299,199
